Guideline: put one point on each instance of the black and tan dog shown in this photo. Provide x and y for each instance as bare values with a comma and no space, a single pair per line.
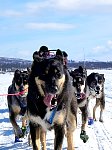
17,102
79,76
51,102
95,89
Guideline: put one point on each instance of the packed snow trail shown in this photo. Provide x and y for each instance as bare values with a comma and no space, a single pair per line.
100,134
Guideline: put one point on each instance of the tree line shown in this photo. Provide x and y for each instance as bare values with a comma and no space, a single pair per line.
11,64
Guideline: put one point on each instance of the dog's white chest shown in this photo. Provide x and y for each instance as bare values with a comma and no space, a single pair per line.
92,94
45,123
40,121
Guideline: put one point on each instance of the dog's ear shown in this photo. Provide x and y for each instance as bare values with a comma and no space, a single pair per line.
17,72
65,54
16,75
71,73
103,77
28,70
36,57
35,54
59,55
81,69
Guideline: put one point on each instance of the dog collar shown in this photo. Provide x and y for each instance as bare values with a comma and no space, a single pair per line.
53,112
50,120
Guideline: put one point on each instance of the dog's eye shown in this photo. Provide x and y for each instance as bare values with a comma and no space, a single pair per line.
74,80
100,81
84,75
42,76
58,74
18,81
93,83
46,72
25,81
80,80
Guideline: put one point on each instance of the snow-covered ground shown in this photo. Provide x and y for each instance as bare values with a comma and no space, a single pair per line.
100,134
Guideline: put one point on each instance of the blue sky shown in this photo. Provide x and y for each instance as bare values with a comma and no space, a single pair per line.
82,28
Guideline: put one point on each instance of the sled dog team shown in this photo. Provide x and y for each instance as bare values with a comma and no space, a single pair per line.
47,97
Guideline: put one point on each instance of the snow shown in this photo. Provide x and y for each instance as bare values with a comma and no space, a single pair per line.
100,134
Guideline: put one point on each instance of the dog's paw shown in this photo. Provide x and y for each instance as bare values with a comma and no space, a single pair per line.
24,130
94,119
19,132
84,136
17,139
101,120
90,121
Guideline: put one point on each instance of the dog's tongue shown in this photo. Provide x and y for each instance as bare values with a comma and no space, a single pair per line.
47,99
83,95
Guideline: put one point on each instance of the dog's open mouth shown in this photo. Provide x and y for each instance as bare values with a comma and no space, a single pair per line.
50,100
81,96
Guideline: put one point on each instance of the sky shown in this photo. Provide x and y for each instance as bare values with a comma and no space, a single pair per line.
82,28
100,134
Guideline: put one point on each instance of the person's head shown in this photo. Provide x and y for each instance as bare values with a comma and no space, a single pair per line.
35,54
43,51
65,55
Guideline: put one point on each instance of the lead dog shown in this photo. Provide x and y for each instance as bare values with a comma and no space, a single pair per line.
51,102
95,89
79,76
17,102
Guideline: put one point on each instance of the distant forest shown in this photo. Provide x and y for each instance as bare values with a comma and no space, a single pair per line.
91,65
11,64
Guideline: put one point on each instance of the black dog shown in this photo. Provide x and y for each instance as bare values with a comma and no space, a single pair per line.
79,76
95,89
51,102
17,102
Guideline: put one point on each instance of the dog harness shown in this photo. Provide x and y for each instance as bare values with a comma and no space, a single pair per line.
50,120
21,100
